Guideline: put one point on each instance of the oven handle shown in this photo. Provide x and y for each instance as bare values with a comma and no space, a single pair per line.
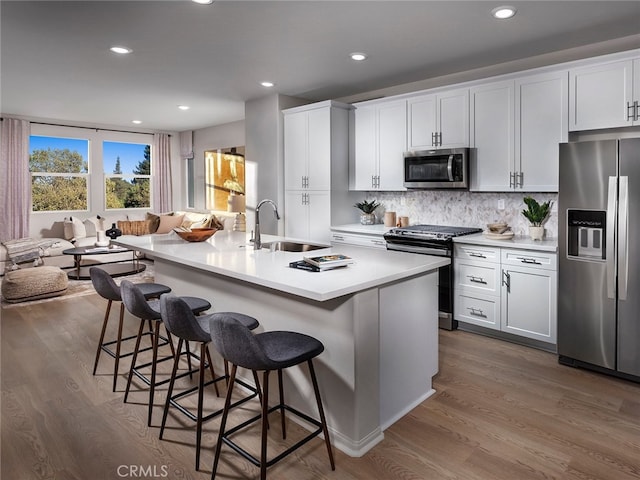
450,168
438,252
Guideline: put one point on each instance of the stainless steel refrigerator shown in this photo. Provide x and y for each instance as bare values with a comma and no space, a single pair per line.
599,261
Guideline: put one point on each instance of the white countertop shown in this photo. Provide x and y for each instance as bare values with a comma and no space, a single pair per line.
230,253
519,241
377,229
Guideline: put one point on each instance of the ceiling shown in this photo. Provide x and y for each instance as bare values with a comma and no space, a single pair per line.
56,63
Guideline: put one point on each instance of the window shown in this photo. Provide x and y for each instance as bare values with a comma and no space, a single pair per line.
59,173
127,173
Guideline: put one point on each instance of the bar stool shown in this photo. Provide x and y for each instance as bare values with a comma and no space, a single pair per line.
265,352
180,321
107,288
149,310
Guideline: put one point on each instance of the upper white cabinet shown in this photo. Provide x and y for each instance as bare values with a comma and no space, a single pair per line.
492,135
603,95
316,151
541,125
380,142
439,120
307,149
516,126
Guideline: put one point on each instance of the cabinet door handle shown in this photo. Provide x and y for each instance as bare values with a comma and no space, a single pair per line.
439,137
476,255
338,237
475,279
530,261
512,179
379,242
477,312
632,111
434,141
520,180
506,281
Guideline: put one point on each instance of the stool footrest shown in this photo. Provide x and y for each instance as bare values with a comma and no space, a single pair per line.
174,399
286,452
112,354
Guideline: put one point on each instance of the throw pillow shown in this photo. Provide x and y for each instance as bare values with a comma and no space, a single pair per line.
92,225
169,222
154,220
79,230
68,228
133,227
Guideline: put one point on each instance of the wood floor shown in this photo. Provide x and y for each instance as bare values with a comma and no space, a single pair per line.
501,411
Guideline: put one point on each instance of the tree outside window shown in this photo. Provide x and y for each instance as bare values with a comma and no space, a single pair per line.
127,169
59,171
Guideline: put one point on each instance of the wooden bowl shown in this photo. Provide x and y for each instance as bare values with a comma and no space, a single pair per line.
196,234
497,227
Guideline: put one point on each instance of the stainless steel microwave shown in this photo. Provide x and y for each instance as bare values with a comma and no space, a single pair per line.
446,168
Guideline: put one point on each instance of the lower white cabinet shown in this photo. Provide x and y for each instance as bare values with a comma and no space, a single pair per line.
360,239
309,215
506,289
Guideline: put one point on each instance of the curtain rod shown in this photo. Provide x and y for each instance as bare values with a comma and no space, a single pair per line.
88,128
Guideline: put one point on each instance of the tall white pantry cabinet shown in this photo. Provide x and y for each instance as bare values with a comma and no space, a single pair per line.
316,159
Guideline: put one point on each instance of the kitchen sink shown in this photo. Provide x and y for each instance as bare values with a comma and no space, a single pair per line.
292,246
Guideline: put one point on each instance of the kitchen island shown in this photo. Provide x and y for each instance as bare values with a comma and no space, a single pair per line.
378,320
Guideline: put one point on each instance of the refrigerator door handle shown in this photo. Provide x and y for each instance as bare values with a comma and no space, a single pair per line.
623,239
610,248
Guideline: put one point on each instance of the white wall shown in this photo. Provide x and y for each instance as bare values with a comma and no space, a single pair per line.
211,138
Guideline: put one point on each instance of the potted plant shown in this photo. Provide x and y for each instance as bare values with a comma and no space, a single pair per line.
536,213
367,217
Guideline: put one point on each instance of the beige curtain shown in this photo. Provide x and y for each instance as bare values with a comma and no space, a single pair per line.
162,200
15,179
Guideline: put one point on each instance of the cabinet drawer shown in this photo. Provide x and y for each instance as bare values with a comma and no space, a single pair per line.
477,309
371,241
477,276
476,252
528,258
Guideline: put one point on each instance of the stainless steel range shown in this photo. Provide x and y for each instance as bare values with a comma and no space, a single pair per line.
432,240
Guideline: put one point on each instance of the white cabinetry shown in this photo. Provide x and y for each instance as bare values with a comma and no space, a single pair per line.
440,120
360,239
604,95
316,150
380,142
516,128
510,290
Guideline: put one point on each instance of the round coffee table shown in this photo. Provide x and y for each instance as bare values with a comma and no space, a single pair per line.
115,269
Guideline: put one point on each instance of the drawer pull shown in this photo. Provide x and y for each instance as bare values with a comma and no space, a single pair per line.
477,255
531,261
379,242
338,237
477,312
476,279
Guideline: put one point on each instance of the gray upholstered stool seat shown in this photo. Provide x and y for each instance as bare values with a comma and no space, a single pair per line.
34,283
265,352
180,321
107,288
149,310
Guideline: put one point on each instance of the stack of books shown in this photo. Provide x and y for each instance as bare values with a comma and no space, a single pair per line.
322,262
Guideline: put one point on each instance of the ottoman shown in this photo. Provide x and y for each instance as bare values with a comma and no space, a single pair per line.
34,283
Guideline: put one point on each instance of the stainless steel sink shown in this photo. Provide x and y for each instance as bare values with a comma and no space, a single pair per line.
292,246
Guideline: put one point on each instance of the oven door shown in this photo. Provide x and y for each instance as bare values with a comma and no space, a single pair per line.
436,169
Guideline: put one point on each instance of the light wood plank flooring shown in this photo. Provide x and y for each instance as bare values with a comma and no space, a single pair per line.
501,411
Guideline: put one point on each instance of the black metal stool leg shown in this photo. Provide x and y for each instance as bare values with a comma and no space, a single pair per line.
281,392
118,345
223,421
170,392
323,420
203,354
133,359
265,426
104,329
154,365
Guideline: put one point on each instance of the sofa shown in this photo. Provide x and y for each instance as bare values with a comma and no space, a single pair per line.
79,232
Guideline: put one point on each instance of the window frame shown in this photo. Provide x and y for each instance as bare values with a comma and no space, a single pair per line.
127,177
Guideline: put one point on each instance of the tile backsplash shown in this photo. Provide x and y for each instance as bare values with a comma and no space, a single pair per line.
465,209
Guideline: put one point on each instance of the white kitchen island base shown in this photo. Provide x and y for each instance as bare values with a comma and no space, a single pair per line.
381,346
377,318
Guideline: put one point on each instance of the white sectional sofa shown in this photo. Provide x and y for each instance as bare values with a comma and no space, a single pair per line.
82,232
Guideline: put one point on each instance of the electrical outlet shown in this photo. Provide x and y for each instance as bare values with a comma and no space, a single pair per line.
403,201
501,204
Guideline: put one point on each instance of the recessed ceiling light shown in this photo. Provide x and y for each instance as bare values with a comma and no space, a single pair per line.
183,107
120,50
358,56
267,84
503,12
137,122
203,2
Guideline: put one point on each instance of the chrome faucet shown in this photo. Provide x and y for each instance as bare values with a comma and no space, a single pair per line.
257,242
